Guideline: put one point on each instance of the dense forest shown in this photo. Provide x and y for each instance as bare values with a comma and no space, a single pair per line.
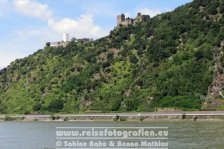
173,60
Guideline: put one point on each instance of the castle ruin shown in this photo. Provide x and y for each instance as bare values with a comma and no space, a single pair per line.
66,41
122,20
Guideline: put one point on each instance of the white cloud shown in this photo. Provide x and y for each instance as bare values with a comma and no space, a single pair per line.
151,12
84,26
32,8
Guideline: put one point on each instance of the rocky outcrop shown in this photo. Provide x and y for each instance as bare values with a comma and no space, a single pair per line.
215,92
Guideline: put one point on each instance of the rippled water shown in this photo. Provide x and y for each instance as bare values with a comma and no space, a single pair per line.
182,135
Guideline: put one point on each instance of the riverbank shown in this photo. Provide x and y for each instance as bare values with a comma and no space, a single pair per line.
152,116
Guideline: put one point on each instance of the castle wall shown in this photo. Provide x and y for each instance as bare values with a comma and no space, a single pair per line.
121,20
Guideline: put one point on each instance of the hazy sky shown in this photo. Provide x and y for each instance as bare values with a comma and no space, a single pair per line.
26,25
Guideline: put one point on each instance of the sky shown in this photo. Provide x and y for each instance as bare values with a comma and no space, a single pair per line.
26,25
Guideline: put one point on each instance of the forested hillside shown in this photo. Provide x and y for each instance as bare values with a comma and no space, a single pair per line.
172,60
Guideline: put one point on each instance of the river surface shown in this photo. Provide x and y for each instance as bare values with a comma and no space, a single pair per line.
42,135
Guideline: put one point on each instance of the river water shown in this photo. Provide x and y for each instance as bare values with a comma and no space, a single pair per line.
42,135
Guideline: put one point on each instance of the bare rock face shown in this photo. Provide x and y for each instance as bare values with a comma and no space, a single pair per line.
215,92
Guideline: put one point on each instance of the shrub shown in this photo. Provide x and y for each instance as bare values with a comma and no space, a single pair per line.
48,44
116,118
141,118
26,112
195,118
37,107
183,102
184,116
56,105
133,59
53,117
66,119
116,103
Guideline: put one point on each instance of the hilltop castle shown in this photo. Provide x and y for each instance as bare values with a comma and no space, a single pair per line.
121,20
66,40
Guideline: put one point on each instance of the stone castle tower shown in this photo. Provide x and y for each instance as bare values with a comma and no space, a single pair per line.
120,19
65,37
